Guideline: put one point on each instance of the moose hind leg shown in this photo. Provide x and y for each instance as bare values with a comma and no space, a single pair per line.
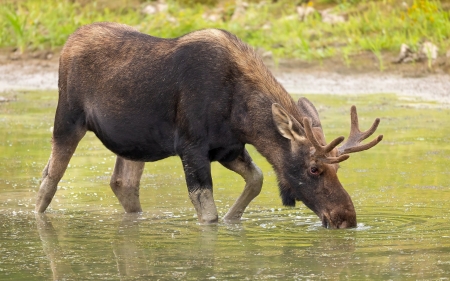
244,166
125,183
54,171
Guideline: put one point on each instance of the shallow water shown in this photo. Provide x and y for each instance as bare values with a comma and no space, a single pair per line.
400,190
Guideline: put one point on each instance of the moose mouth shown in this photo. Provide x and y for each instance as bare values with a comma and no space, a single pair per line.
329,224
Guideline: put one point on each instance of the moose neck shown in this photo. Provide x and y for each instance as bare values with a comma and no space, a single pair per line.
264,135
258,90
277,150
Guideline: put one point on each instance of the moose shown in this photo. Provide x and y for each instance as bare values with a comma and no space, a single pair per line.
202,96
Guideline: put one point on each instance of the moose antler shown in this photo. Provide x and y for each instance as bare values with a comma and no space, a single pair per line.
356,136
321,151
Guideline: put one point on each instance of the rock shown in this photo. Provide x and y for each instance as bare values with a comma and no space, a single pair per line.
16,55
406,55
429,51
212,17
264,54
239,11
305,12
329,17
172,19
267,55
43,55
149,10
162,7
405,6
154,8
267,26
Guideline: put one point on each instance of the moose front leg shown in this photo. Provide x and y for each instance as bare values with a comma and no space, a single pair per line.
244,166
198,179
125,183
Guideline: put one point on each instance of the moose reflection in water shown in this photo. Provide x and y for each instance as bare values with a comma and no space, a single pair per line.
125,250
130,260
130,257
203,97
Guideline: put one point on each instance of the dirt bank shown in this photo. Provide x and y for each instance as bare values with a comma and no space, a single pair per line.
328,77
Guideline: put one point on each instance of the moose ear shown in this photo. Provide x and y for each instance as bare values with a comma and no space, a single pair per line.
286,125
307,109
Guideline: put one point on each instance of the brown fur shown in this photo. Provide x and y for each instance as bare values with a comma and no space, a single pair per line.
203,97
251,66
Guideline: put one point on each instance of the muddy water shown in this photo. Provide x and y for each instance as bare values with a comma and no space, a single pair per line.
400,190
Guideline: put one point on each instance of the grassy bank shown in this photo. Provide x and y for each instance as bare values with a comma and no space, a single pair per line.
375,26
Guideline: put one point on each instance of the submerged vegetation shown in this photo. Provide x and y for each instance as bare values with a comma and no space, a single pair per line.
270,26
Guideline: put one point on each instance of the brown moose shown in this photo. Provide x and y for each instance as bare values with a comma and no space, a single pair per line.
202,96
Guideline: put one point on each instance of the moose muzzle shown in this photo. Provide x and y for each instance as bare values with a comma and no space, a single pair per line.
341,218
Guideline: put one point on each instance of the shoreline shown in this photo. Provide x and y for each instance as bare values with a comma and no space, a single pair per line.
31,75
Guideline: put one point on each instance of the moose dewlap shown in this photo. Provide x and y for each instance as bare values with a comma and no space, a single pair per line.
202,96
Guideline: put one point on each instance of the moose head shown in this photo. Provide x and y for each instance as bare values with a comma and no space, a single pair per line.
311,176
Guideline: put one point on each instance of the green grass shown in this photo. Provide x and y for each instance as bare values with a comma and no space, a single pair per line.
375,26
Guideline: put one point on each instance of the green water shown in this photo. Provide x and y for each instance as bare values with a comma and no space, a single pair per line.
400,190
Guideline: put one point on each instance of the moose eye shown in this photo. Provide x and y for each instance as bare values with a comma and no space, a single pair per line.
314,171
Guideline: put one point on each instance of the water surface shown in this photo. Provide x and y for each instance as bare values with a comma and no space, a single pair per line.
400,190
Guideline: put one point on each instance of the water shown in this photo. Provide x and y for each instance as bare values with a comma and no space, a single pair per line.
400,190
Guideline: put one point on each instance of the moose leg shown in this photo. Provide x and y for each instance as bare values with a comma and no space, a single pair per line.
62,151
125,183
244,166
199,182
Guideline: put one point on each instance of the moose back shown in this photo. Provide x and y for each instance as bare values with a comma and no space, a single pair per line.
202,96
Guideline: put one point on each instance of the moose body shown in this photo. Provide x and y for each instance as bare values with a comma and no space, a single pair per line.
202,96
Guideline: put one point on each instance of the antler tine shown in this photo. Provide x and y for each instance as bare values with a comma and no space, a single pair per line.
321,150
356,136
